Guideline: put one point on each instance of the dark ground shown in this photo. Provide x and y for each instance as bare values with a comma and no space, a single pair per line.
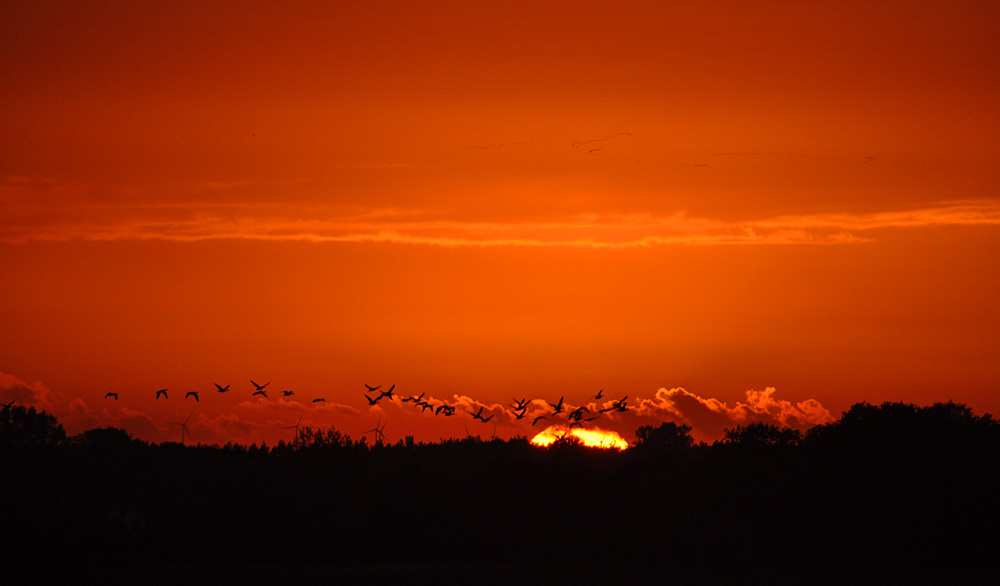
889,494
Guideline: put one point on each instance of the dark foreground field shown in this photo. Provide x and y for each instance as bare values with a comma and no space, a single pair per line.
892,494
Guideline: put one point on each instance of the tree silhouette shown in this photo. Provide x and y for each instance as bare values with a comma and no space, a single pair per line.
762,434
668,437
103,437
894,490
21,426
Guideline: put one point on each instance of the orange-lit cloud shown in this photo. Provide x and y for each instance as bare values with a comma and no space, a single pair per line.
26,394
284,406
710,417
194,222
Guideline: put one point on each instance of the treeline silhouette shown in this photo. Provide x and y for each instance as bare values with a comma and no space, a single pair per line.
891,490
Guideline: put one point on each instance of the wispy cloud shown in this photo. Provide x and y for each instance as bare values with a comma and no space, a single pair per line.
421,227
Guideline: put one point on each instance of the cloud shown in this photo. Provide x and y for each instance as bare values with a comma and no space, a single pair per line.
282,405
199,222
709,417
26,394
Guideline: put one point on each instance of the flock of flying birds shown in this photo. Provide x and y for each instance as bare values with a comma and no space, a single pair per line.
222,389
518,410
576,417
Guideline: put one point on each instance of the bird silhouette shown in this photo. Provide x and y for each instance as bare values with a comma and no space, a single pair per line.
599,394
522,404
537,419
372,401
558,407
113,395
387,393
260,392
162,392
319,400
192,394
287,393
259,387
222,389
372,389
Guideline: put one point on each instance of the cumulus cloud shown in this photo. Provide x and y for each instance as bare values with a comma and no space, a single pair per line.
26,394
710,417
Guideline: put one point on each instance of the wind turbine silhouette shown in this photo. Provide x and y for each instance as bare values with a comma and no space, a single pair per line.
379,436
296,426
184,428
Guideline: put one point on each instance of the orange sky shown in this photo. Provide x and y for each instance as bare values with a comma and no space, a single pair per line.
686,203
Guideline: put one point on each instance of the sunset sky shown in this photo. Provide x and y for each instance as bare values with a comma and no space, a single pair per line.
727,211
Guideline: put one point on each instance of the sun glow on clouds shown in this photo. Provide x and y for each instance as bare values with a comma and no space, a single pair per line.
592,438
196,223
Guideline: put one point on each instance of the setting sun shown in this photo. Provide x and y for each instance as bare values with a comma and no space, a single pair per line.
592,438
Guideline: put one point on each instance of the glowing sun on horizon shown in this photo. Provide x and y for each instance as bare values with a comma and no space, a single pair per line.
592,438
